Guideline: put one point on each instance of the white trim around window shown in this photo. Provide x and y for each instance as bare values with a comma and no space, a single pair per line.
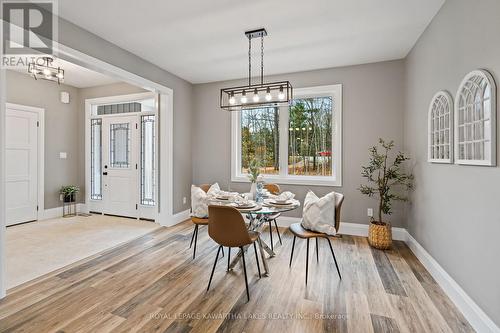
335,91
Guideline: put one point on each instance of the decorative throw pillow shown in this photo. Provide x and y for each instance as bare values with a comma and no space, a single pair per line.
318,214
214,189
199,199
199,202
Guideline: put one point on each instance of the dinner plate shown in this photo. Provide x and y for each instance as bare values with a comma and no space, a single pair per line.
281,203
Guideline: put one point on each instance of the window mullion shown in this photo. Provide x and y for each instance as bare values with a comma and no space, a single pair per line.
283,140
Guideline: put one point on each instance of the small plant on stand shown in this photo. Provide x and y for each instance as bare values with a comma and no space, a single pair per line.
389,183
69,192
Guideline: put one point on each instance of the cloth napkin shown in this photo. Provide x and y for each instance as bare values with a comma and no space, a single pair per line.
287,195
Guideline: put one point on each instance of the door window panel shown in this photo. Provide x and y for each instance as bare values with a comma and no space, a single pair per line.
96,159
120,145
148,160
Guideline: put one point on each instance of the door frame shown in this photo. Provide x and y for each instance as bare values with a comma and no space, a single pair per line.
89,103
40,152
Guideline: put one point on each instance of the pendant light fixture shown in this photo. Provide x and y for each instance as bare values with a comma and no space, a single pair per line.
44,70
259,95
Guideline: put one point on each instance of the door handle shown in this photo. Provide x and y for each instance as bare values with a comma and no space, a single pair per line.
105,173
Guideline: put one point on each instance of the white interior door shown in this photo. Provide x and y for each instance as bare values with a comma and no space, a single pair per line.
120,162
21,165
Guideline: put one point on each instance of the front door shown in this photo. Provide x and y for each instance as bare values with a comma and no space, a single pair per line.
21,153
120,159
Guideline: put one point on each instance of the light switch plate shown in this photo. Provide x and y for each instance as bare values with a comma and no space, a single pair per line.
63,155
369,212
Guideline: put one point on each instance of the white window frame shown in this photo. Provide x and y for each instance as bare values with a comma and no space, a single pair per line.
335,91
493,121
433,107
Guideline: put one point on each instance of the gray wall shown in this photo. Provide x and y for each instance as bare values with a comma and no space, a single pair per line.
90,44
373,104
61,129
454,208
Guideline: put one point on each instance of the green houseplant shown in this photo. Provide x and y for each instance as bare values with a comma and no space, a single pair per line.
254,175
389,182
69,192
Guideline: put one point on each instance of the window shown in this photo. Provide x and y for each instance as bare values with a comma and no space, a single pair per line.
298,144
120,145
260,139
96,159
475,108
440,128
148,139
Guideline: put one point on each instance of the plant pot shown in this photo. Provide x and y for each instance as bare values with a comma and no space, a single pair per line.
69,198
380,235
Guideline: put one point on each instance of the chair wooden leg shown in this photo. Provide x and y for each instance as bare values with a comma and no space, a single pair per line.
334,259
192,237
222,252
271,235
245,271
317,252
213,269
278,231
228,258
293,246
195,240
257,259
307,258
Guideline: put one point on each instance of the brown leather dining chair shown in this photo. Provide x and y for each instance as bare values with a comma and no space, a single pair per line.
298,231
227,228
273,189
197,221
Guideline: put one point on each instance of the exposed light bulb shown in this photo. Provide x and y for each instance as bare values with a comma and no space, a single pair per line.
46,71
60,75
232,100
255,96
243,97
268,94
48,77
281,94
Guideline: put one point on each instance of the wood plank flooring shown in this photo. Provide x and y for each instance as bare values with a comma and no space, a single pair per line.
152,284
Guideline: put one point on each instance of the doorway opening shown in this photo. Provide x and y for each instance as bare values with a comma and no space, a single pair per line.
121,154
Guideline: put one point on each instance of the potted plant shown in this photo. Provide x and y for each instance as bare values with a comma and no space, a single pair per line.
69,192
254,175
389,183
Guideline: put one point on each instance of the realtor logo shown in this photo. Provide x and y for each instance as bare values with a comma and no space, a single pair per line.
28,27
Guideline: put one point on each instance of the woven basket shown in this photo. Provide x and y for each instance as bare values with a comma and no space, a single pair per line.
380,236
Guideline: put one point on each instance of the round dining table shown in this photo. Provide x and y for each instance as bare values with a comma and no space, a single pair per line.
257,216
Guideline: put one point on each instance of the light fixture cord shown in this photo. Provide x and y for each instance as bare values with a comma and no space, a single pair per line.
249,61
262,60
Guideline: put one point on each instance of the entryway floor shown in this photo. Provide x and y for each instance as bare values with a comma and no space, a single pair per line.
34,249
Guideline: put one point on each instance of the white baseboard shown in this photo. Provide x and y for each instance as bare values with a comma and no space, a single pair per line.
53,213
351,229
471,311
179,217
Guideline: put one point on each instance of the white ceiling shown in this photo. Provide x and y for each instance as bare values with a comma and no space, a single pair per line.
77,76
203,40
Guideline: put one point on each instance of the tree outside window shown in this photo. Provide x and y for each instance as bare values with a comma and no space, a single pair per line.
310,137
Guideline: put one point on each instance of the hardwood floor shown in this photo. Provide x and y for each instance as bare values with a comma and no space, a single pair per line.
151,284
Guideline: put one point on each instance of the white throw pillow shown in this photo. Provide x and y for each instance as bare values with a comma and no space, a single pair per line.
318,214
214,189
199,202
